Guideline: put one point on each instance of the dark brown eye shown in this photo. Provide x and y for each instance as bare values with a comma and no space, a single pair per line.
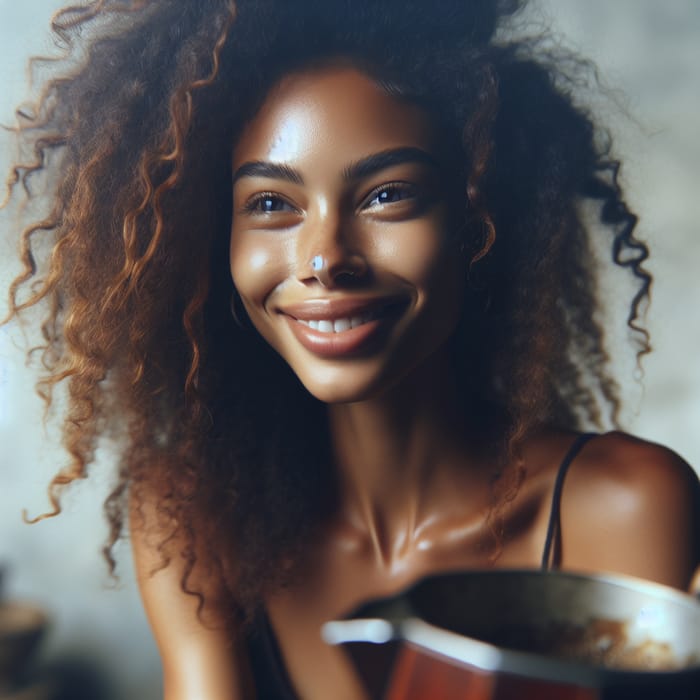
268,203
389,194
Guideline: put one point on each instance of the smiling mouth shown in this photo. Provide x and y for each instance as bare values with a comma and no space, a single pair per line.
339,325
343,327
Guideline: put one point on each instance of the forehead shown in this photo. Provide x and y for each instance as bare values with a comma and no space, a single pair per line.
338,112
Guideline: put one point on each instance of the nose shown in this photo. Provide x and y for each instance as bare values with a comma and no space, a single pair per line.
329,254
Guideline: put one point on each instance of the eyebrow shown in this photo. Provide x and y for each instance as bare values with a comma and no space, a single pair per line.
261,168
386,159
355,171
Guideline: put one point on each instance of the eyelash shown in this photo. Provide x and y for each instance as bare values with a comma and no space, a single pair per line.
409,190
252,206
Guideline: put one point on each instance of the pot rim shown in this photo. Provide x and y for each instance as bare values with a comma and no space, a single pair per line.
402,624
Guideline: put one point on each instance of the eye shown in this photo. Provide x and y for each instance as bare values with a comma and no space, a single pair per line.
391,193
267,203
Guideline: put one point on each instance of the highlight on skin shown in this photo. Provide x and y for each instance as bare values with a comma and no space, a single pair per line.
136,286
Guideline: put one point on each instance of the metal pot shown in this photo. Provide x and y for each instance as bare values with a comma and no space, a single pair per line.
501,634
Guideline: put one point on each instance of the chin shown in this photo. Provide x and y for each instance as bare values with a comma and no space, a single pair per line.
341,392
345,386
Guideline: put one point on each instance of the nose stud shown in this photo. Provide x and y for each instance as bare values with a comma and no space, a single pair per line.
327,272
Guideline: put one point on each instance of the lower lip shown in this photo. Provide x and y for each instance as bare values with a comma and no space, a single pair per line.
345,343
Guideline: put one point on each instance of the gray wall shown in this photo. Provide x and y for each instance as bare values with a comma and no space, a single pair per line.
649,49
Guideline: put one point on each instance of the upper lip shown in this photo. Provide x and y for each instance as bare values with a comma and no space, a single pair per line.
333,309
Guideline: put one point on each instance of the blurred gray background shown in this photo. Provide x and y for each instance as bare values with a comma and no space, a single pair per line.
647,50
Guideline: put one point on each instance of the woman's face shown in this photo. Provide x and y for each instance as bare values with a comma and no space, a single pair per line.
340,248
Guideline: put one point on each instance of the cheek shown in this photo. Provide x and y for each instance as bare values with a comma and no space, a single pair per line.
422,255
258,266
431,259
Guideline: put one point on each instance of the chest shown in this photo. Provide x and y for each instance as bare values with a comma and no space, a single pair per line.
348,571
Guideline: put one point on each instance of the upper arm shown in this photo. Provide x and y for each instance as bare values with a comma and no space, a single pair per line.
201,657
631,507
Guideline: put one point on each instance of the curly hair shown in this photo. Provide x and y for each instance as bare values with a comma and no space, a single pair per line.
132,257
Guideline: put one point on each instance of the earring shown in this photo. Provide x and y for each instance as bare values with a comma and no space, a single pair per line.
235,304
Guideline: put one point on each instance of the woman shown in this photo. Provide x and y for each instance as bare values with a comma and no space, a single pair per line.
326,270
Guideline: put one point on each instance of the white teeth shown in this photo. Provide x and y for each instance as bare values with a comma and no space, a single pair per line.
338,325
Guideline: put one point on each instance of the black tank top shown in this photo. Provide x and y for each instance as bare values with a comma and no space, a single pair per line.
267,664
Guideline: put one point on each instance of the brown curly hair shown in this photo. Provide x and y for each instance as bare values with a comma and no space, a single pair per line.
136,139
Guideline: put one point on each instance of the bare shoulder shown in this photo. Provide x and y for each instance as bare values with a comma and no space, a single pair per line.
631,506
637,467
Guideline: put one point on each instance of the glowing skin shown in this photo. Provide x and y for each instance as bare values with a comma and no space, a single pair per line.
340,247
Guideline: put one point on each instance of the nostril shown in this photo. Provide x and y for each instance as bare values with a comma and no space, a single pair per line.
349,272
345,277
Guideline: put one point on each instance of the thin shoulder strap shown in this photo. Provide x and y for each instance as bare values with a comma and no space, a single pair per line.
553,525
266,661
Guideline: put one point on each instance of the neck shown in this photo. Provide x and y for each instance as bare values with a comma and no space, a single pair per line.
400,453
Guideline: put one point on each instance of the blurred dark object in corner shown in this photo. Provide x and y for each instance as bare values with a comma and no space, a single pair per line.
22,626
23,676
